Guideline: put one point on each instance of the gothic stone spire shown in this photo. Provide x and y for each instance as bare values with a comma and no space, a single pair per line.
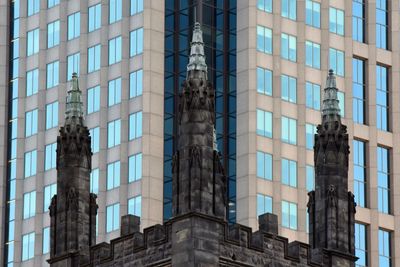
198,180
331,207
73,210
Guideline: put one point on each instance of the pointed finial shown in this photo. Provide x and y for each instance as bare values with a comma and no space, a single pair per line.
330,104
197,59
74,109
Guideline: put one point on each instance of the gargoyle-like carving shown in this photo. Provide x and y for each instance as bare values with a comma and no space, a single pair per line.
72,199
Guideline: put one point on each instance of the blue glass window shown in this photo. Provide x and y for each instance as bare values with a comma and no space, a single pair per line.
313,13
136,6
313,55
310,180
383,180
289,172
113,175
51,3
264,123
115,10
73,62
359,20
289,215
265,5
94,58
52,73
382,24
360,169
49,192
94,181
51,115
33,7
135,125
135,206
289,88
264,204
95,139
30,163
28,246
264,81
382,98
46,240
313,96
264,165
32,43
289,9
336,21
264,39
385,249
135,167
93,99
336,61
358,91
289,130
311,130
74,25
136,45
31,122
53,34
112,217
114,50
360,238
32,82
50,156
288,47
29,205
135,83
94,18
114,133
114,92
341,99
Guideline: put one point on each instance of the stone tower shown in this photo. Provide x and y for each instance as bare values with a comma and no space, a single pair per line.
331,206
73,210
198,180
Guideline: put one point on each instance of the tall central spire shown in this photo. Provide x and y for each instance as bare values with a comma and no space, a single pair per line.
197,59
330,103
74,109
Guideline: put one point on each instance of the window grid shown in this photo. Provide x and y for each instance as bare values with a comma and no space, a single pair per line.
358,91
112,218
73,62
32,82
289,172
113,175
264,204
135,83
29,205
313,96
94,181
94,58
288,47
264,165
32,46
115,13
28,246
135,125
93,99
336,21
313,13
53,34
360,170
264,81
136,6
289,215
114,133
135,167
289,88
382,26
385,248
383,180
341,99
289,130
264,39
95,139
382,98
52,73
46,240
114,50
135,206
336,61
310,179
311,130
313,55
361,245
264,123
288,8
49,192
74,23
114,92
359,20
51,115
33,7
136,42
51,3
94,17
265,5
30,163
50,156
31,122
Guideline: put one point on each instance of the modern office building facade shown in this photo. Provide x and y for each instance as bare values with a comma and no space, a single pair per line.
268,61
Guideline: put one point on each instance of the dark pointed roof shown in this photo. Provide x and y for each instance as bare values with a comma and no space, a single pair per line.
74,109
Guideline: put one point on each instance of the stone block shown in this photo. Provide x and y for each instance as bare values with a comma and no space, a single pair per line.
130,224
268,223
